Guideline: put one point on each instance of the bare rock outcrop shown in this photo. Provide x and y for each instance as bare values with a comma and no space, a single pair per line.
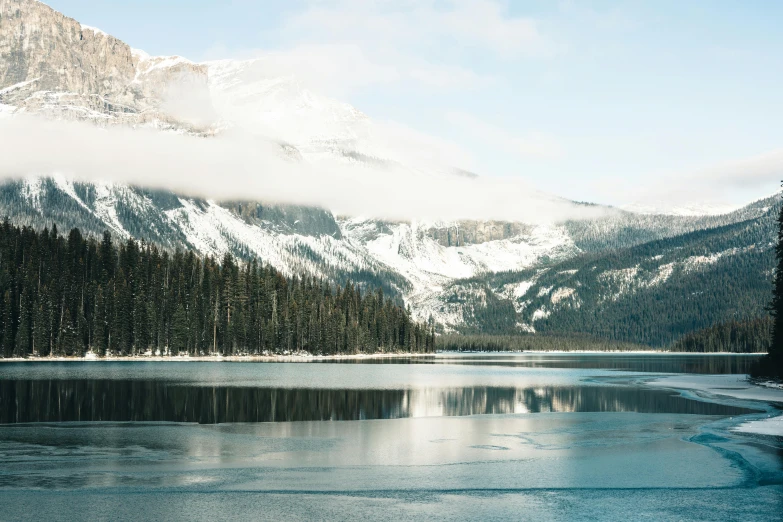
54,53
466,232
52,65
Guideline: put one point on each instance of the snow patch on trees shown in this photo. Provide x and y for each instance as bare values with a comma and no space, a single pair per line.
561,294
32,188
106,208
541,313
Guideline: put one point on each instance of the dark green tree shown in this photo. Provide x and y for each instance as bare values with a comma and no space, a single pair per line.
74,294
179,331
773,363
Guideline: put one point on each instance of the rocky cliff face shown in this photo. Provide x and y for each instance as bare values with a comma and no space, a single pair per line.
465,233
52,65
54,53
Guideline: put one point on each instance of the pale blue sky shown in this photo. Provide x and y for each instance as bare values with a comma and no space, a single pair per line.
589,100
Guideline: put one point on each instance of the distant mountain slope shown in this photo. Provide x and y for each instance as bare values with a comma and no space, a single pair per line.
628,228
651,293
292,239
407,259
489,276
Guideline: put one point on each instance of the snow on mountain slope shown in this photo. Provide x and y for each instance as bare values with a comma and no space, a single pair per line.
411,251
53,66
666,208
413,260
204,226
248,95
214,230
404,257
281,108
245,97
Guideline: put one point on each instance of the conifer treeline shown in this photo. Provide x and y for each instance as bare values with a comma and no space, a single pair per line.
70,296
752,336
530,342
772,364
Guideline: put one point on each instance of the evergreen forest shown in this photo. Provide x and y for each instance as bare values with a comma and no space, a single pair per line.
751,336
530,342
69,296
772,364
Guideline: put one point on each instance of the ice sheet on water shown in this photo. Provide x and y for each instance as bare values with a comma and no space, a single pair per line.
769,426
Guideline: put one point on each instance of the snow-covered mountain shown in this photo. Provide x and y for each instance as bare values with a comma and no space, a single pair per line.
51,65
414,260
653,292
663,207
438,268
319,129
95,77
282,108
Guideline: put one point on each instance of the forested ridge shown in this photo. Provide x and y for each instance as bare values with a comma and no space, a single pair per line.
652,294
751,336
159,217
772,364
531,342
69,296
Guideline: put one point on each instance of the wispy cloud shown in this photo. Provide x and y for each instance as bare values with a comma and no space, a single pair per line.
241,167
729,183
341,46
761,168
336,69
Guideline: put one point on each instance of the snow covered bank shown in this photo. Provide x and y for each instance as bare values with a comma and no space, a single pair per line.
295,357
770,426
735,386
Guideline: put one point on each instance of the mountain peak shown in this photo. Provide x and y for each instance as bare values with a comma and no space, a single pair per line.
54,66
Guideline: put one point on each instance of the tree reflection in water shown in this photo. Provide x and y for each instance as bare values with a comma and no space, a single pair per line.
149,400
648,363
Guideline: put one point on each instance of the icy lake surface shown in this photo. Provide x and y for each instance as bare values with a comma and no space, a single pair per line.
473,437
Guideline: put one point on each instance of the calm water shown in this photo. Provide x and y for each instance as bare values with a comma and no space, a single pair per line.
554,437
663,362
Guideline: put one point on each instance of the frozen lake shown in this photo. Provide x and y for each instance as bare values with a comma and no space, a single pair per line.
544,437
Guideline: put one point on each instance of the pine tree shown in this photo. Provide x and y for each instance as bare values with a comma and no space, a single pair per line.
100,331
9,333
41,337
68,336
773,363
24,341
179,331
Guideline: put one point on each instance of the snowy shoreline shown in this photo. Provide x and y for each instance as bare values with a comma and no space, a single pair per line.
734,386
612,352
303,357
308,357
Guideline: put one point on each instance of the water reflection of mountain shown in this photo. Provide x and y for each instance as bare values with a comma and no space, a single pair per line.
132,400
653,363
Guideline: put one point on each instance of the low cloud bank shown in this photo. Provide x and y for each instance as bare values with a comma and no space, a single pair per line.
238,166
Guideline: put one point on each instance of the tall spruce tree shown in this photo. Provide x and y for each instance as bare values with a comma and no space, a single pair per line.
179,331
9,335
773,363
